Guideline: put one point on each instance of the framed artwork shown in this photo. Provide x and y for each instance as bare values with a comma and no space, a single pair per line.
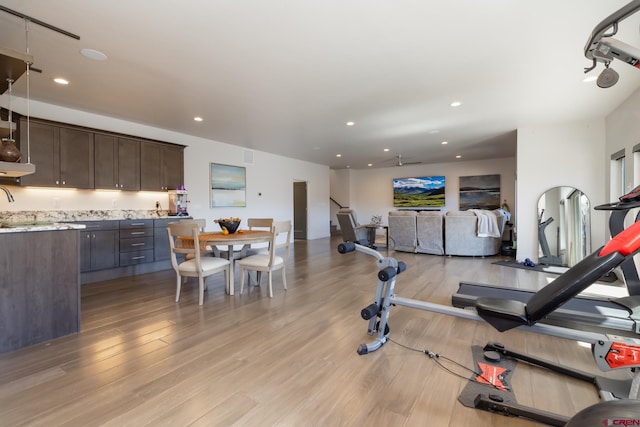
480,192
419,192
228,186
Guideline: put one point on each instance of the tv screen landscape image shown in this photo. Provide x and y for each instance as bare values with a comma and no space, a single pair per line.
419,192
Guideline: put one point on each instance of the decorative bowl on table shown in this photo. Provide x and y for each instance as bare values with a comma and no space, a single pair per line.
230,225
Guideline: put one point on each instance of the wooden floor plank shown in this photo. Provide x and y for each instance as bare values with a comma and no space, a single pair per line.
250,360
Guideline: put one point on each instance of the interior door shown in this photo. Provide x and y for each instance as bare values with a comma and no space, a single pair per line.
300,210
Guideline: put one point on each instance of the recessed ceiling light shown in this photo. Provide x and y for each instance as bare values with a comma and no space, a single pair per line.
338,155
444,142
96,55
458,156
197,119
387,149
350,123
370,164
456,104
61,81
590,79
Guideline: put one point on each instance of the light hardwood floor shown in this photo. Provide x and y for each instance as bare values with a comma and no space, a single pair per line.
248,360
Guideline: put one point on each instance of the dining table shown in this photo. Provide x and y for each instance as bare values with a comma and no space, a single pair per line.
218,238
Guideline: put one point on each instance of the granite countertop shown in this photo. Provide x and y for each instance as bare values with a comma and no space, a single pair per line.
21,221
18,227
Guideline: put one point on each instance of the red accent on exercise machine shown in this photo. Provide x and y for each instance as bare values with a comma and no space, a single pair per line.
622,355
626,242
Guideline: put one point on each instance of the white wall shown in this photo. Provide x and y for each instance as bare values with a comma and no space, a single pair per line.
570,155
623,132
271,175
371,190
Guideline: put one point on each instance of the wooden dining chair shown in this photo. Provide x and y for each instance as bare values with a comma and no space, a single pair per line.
275,259
258,224
247,250
202,225
197,265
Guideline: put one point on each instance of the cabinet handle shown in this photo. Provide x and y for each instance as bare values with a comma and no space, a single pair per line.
137,223
137,232
137,257
137,244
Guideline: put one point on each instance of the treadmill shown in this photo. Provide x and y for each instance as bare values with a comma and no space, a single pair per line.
602,314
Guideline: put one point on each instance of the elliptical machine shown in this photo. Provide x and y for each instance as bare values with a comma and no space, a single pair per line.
547,258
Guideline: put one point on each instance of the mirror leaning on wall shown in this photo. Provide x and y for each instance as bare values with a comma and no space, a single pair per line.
564,226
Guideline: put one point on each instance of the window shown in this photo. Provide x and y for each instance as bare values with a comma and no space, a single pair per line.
617,183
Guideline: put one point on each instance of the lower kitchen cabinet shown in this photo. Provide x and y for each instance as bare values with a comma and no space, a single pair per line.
136,241
99,245
161,249
39,286
120,248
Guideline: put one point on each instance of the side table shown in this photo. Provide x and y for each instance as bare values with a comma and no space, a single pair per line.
371,233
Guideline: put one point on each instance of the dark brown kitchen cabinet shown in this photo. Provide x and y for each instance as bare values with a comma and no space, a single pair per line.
99,245
63,156
40,285
161,166
173,166
136,241
161,249
117,162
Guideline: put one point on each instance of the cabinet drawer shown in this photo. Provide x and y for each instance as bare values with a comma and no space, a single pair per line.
136,244
136,233
136,257
136,223
99,225
162,223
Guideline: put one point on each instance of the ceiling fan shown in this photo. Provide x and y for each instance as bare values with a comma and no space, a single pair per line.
401,163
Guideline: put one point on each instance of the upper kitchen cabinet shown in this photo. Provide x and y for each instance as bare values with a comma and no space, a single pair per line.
161,166
117,162
63,156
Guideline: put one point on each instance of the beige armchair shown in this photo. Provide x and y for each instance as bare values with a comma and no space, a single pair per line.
351,230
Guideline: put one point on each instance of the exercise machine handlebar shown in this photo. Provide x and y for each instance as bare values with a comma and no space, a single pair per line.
382,261
387,273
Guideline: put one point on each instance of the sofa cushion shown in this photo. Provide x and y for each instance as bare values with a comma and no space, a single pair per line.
402,230
460,231
429,225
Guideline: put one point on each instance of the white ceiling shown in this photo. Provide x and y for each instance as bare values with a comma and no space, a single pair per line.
284,76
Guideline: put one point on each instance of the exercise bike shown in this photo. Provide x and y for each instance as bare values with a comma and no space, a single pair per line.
610,352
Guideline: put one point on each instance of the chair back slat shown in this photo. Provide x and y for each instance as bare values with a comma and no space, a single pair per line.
185,229
278,229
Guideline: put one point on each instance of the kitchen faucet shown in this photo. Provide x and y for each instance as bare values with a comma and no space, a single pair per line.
7,192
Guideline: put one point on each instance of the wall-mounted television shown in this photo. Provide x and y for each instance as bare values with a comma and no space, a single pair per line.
423,192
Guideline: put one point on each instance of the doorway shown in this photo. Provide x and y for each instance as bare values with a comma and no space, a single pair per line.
300,210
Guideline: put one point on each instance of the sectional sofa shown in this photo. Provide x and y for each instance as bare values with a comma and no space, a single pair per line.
432,232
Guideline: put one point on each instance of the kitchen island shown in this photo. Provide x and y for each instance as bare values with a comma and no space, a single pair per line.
39,284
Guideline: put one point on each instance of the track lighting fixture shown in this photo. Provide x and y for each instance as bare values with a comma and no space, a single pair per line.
608,77
603,47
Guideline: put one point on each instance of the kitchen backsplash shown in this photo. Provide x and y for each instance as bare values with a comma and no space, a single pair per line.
79,215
